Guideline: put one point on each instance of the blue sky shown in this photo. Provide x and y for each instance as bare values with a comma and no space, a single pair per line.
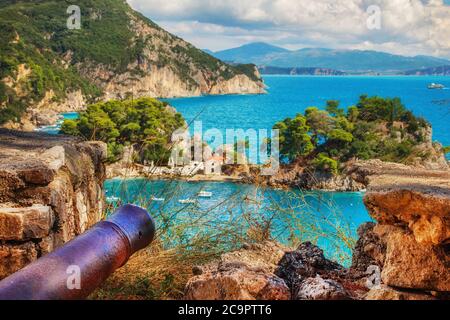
409,27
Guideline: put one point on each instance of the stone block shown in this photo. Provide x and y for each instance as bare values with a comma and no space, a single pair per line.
21,224
411,265
15,257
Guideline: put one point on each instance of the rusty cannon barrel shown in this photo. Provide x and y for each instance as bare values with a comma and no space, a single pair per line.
75,270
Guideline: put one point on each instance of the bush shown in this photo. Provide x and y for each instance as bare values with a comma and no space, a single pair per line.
70,127
324,163
294,138
340,135
146,124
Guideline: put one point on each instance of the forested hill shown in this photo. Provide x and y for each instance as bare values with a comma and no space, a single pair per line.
117,52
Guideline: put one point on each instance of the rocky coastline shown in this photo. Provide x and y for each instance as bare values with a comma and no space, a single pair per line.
356,177
404,256
47,112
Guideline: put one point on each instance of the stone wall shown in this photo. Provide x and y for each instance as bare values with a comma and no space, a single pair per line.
50,192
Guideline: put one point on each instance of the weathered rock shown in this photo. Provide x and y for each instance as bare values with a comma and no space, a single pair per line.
47,245
197,270
387,293
321,289
418,200
237,282
411,265
298,175
369,250
245,274
265,256
25,223
426,215
44,119
9,182
307,261
412,208
15,257
327,181
270,271
50,192
55,157
36,173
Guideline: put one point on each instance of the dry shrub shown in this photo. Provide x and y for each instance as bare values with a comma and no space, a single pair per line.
189,235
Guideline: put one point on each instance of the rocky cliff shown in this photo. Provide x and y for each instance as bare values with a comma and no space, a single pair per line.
47,67
356,175
404,256
50,191
413,214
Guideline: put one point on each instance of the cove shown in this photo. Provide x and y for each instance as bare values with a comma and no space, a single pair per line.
315,216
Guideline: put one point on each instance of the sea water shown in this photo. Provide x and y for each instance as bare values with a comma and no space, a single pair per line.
329,219
287,96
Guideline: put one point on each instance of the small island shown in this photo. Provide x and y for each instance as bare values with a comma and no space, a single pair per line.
317,148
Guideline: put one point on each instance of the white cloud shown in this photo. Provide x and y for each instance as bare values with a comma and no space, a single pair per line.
407,26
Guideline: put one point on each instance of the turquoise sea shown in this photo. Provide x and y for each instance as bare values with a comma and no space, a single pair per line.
54,129
287,96
326,218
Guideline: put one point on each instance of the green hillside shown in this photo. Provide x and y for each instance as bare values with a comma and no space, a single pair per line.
35,37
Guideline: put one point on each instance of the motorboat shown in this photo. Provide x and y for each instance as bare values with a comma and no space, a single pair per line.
436,86
112,199
205,194
187,201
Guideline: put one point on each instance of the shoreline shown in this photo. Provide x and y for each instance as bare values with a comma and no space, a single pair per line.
196,178
358,177
137,172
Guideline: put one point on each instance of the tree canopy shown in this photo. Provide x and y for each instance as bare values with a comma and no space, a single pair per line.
375,128
146,124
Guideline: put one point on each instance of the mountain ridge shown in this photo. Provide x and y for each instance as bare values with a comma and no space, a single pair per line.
345,60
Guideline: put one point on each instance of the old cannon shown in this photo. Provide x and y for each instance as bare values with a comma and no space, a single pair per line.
75,270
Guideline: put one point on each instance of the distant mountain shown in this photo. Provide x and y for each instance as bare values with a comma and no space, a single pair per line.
351,61
257,51
300,71
435,71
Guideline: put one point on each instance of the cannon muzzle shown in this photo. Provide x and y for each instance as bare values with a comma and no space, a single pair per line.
75,270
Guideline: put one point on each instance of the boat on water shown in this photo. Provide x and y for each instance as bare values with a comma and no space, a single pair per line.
205,194
112,199
436,86
187,201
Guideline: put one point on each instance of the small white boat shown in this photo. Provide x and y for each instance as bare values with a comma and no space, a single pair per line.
112,199
436,86
187,201
205,194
